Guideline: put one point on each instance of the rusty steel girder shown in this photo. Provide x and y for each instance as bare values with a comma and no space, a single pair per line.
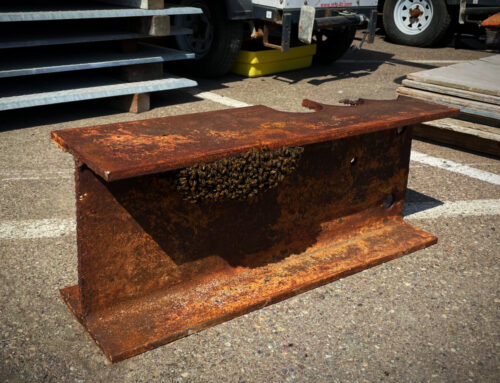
155,264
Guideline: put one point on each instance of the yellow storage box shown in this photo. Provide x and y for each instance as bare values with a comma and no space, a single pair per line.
261,63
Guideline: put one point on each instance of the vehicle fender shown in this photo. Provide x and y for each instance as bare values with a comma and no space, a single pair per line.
239,9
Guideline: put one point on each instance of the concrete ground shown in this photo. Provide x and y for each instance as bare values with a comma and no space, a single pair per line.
432,316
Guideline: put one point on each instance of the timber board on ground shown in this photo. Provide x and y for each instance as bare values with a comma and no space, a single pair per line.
464,134
481,76
466,106
452,92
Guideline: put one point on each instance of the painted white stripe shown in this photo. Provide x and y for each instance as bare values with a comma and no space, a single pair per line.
429,210
400,61
455,167
53,228
37,228
219,99
30,175
35,178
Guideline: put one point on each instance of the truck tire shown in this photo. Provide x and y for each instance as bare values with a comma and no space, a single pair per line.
332,44
420,23
216,41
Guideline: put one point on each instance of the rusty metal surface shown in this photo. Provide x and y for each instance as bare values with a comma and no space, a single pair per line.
154,267
132,149
492,21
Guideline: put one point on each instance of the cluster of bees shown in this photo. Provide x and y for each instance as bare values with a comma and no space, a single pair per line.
238,177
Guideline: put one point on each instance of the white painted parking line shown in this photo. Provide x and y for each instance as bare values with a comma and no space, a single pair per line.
53,228
429,210
400,61
31,175
219,99
37,228
455,167
35,178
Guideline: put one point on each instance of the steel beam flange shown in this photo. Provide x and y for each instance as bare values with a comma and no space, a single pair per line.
155,266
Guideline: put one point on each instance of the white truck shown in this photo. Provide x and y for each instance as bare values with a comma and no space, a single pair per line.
425,23
218,33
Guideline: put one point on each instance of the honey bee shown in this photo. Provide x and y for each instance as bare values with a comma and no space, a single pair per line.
240,177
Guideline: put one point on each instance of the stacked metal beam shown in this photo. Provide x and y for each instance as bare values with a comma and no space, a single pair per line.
53,52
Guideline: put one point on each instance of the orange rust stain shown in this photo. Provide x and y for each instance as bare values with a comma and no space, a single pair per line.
492,21
154,268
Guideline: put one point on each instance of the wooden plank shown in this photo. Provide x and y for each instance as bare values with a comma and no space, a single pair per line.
464,134
479,119
476,76
142,72
154,26
452,92
143,4
133,103
463,126
465,106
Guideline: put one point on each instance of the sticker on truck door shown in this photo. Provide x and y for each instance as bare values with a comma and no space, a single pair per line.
337,4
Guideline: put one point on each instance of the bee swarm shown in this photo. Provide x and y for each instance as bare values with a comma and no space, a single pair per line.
238,177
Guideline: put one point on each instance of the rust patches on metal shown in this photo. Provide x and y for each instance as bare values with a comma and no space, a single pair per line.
492,21
154,267
357,102
131,149
416,12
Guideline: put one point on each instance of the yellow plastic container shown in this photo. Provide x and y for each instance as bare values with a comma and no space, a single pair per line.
261,63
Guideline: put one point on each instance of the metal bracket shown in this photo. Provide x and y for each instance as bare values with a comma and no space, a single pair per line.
369,35
461,13
286,32
306,23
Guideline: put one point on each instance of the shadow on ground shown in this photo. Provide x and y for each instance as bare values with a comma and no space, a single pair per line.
416,202
355,64
79,110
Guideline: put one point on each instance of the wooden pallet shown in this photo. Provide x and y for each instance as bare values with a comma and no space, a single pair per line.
464,134
474,88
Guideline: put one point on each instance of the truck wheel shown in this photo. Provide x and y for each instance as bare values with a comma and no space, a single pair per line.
420,23
216,41
332,44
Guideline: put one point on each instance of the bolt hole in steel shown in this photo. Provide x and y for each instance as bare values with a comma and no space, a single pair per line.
389,201
413,16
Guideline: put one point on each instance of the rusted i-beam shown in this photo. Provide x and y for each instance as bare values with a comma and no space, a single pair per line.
184,222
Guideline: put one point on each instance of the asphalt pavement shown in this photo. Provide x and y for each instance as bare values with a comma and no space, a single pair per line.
431,316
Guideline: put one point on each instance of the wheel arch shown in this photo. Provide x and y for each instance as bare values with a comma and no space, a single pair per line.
234,9
380,4
238,9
